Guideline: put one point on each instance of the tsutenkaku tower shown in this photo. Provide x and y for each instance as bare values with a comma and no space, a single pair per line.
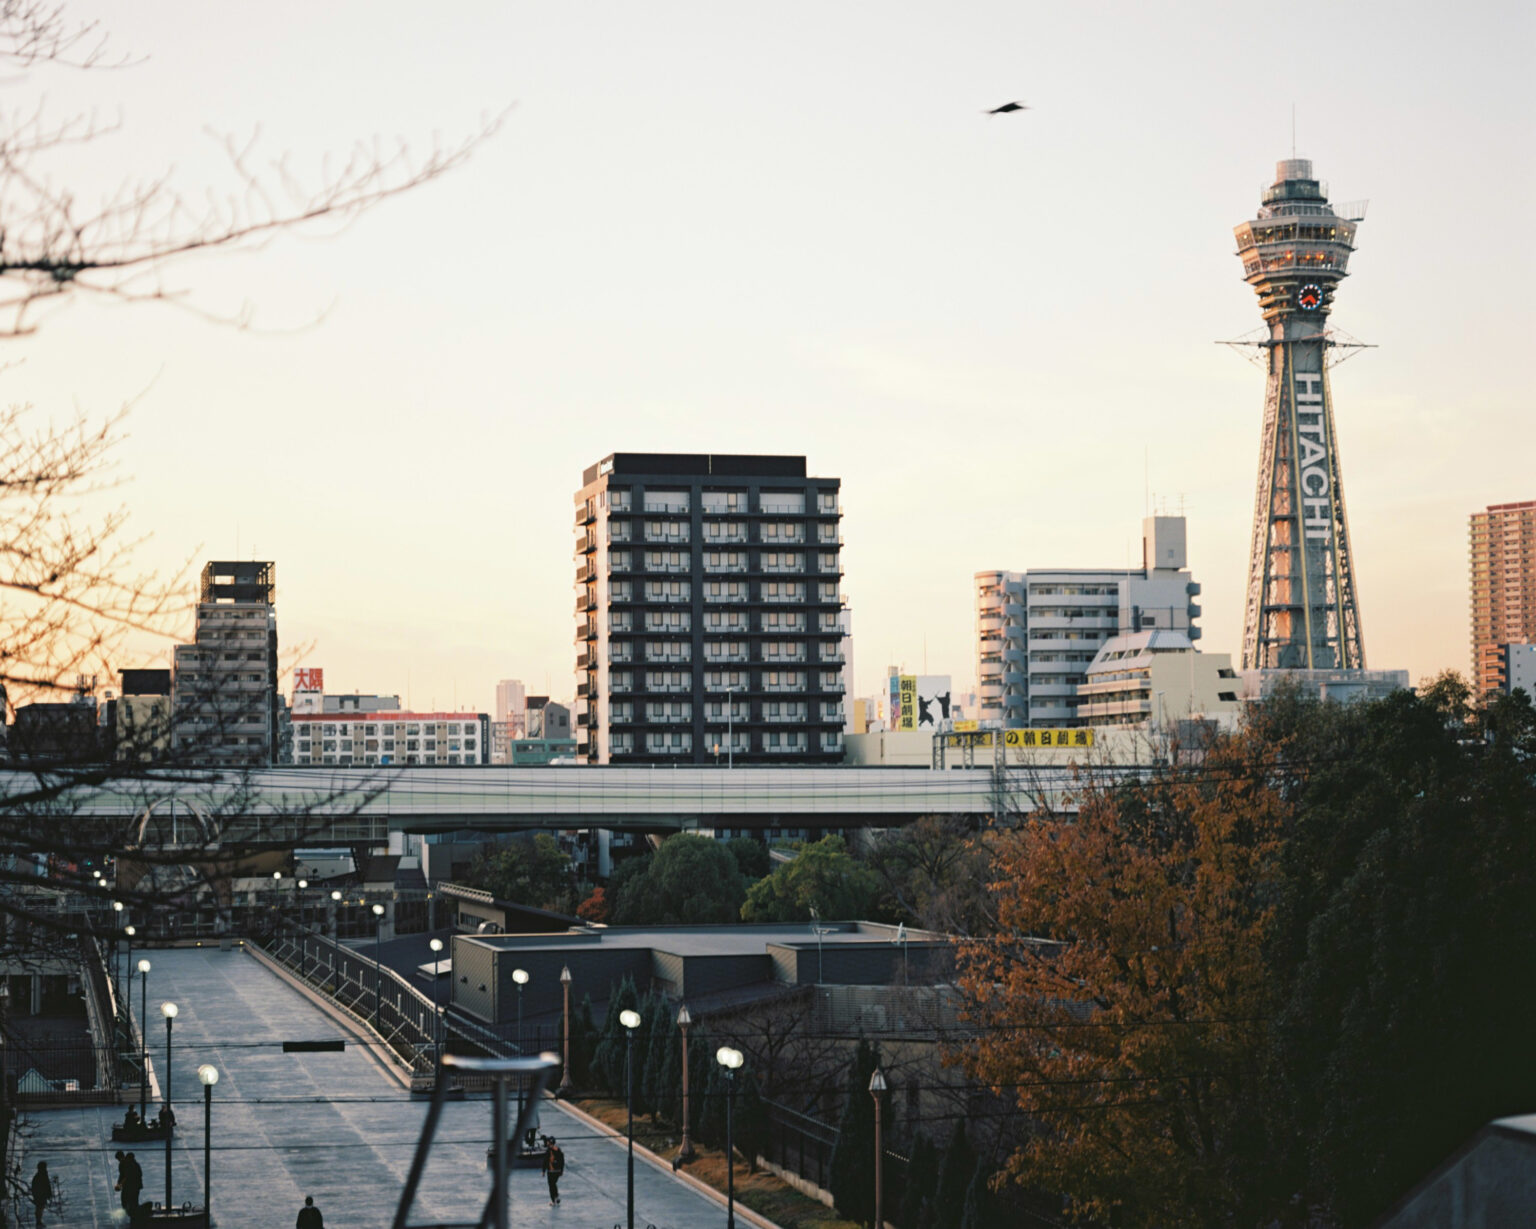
1302,611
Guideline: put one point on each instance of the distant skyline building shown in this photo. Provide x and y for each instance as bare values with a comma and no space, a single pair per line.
224,697
1502,550
1038,630
511,704
708,611
1301,610
354,737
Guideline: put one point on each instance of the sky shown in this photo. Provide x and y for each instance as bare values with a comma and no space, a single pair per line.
712,227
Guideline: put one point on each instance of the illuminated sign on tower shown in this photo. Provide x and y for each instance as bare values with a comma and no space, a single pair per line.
1302,612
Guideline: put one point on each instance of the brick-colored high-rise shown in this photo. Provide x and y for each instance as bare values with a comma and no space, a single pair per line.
1503,578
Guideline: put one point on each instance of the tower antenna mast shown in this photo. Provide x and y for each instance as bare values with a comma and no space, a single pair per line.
1301,611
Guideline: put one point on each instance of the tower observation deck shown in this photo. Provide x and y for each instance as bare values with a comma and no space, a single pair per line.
1301,611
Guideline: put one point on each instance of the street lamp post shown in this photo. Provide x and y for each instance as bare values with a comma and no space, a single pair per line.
117,983
876,1087
437,1012
378,938
685,1153
143,1038
209,1075
520,976
299,885
277,902
730,1059
631,1021
335,916
168,1010
567,1084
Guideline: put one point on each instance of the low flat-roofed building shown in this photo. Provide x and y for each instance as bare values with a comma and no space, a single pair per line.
692,963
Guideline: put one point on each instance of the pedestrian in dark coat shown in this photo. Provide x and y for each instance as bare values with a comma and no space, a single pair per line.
130,1181
554,1166
42,1190
309,1215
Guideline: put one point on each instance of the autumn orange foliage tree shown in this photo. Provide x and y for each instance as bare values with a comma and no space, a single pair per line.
1123,999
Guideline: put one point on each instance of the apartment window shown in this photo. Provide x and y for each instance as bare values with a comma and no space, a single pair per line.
666,561
666,501
828,562
782,650
673,742
725,561
724,501
781,561
781,531
826,592
783,621
668,680
668,650
667,590
783,591
619,591
725,680
620,680
826,501
725,591
725,650
783,501
725,531
673,711
725,620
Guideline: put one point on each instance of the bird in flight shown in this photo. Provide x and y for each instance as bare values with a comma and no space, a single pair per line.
1008,106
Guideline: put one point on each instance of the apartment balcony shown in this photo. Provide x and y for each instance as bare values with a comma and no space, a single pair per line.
586,571
586,602
586,660
585,515
586,629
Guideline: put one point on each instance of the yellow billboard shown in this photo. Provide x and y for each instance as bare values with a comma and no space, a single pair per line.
1048,738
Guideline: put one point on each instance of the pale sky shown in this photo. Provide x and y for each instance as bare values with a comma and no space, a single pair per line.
714,227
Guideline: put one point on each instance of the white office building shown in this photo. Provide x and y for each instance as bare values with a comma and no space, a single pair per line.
1037,631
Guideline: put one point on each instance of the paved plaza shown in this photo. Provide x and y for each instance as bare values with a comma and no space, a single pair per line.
332,1125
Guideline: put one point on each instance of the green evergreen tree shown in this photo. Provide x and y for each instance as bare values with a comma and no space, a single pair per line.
608,1058
751,1125
711,1125
922,1178
660,1035
701,1069
669,1076
853,1156
978,1211
955,1173
583,1042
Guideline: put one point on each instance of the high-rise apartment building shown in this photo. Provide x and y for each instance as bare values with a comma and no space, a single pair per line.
224,698
1037,631
1503,582
708,611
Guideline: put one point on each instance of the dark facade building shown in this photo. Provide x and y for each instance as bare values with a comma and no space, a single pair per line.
708,599
224,695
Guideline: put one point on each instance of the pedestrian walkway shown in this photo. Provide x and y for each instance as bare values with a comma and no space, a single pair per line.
331,1125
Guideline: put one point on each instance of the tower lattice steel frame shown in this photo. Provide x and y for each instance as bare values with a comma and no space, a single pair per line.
1301,611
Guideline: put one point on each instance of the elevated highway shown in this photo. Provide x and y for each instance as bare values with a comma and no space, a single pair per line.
283,805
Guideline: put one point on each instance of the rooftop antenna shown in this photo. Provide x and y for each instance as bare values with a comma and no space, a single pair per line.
1293,131
1146,480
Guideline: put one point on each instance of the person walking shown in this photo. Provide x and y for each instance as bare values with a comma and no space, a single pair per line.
130,1181
309,1215
42,1190
554,1166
